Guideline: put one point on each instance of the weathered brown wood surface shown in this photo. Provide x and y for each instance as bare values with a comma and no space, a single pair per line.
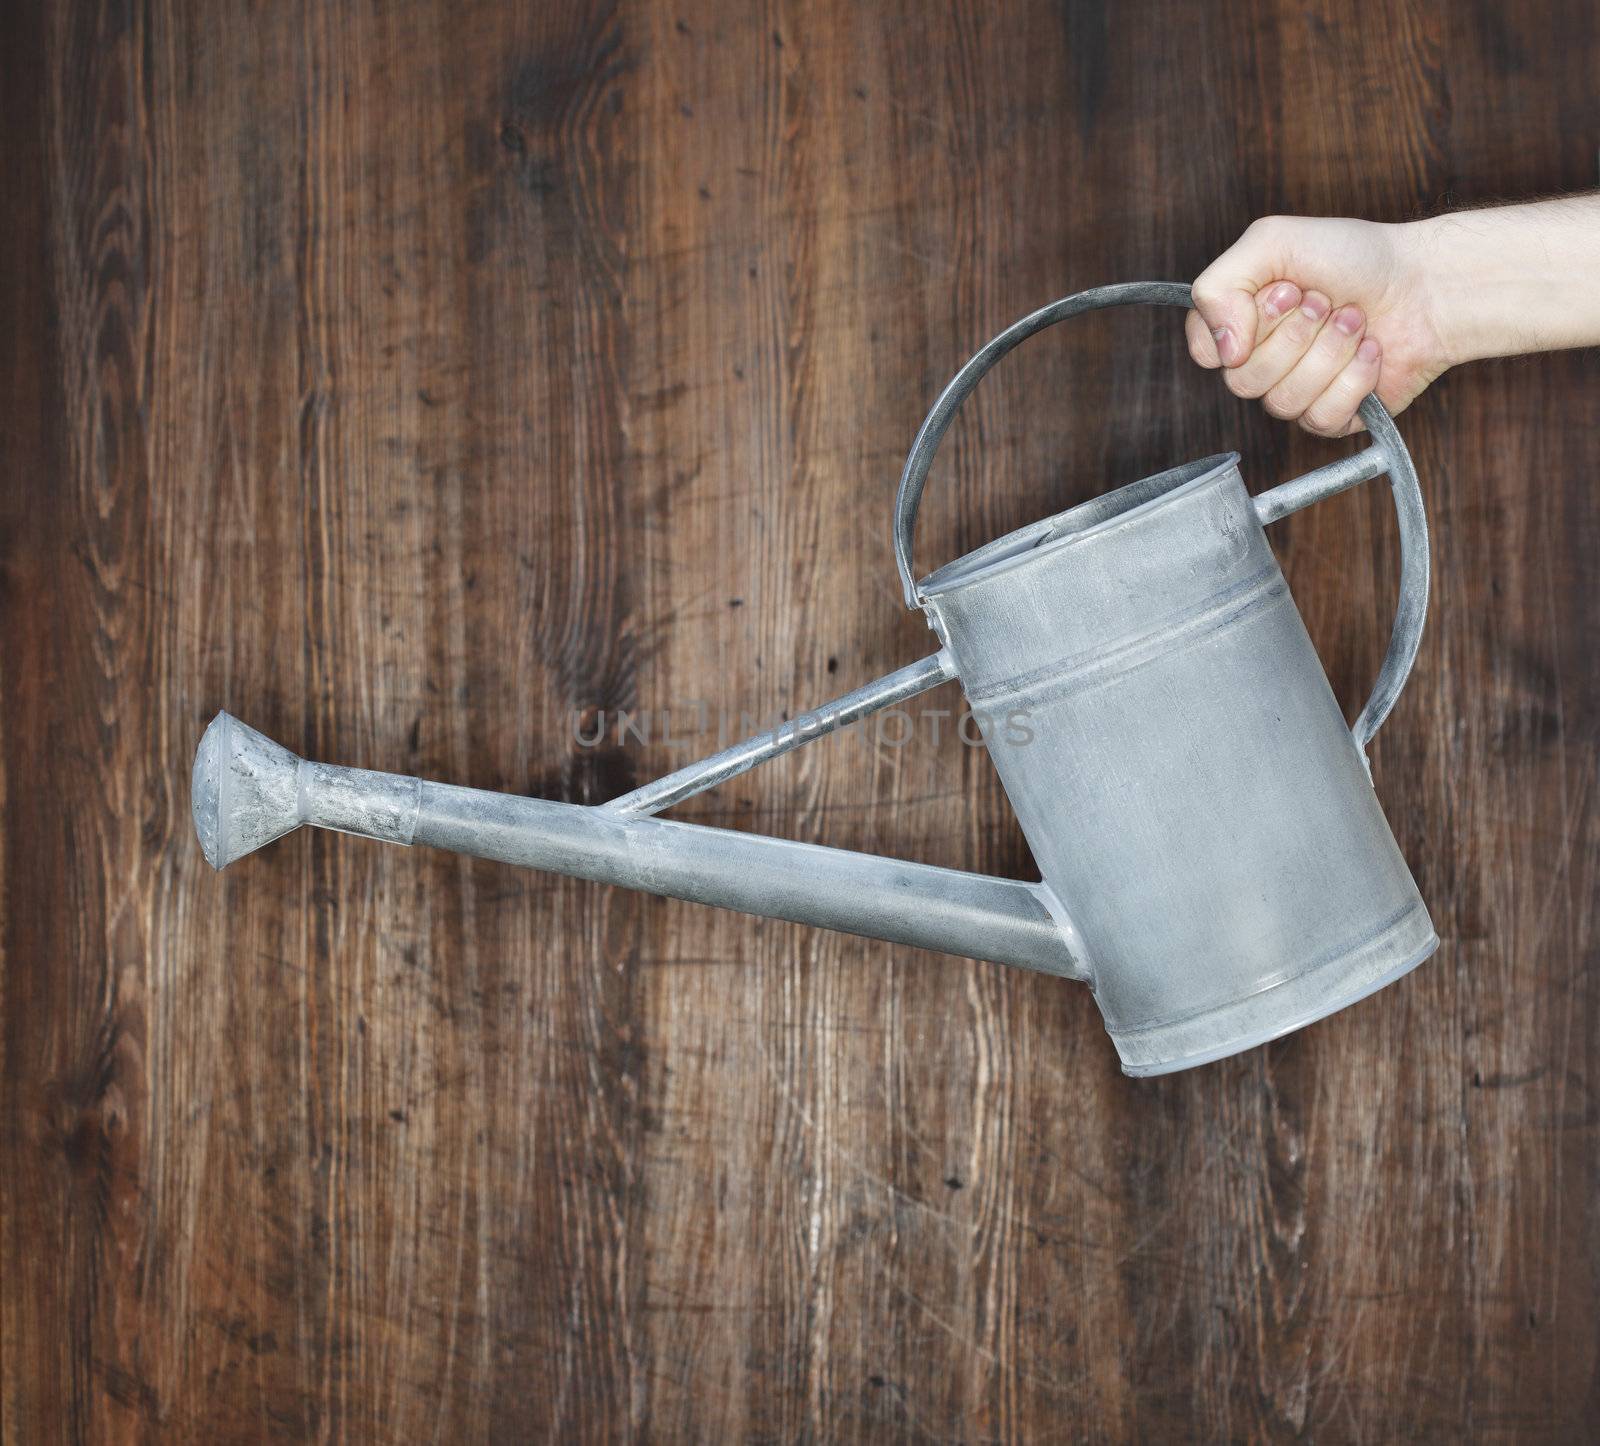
408,377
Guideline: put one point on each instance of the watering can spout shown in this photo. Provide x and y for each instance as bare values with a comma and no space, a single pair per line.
248,791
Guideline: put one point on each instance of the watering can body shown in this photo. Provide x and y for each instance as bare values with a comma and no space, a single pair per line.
1214,860
1189,788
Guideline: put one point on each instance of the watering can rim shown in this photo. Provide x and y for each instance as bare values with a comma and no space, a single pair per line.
1010,551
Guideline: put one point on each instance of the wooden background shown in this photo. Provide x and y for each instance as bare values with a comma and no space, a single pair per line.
408,377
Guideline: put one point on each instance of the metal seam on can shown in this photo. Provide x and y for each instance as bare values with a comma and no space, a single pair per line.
1076,671
1327,960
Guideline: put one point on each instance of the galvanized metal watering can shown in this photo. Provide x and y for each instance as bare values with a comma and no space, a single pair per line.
1215,862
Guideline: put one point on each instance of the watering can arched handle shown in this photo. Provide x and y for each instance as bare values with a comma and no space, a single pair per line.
1387,454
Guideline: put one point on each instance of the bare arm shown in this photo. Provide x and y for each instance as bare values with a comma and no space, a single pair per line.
1312,313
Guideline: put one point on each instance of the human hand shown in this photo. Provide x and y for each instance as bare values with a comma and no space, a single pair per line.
1311,314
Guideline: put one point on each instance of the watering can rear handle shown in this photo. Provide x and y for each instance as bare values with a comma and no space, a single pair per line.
1387,454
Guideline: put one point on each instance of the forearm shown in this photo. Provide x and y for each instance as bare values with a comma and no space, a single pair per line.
1513,279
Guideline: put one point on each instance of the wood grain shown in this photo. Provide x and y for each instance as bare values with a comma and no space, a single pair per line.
414,380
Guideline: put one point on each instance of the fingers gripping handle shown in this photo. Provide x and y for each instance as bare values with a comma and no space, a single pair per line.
1387,454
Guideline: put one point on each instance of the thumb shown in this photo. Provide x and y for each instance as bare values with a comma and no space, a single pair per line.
1225,292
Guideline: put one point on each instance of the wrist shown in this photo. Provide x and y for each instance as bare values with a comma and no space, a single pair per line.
1449,281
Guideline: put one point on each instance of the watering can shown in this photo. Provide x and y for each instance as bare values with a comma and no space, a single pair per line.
1214,860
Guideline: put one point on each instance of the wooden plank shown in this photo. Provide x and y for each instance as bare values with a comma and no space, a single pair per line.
432,384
